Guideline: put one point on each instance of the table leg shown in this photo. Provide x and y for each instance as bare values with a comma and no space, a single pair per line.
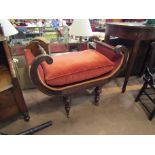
146,60
130,63
107,38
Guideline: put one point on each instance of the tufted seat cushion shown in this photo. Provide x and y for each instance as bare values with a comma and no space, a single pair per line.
75,67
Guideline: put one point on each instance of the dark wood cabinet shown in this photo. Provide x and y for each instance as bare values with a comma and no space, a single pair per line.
11,97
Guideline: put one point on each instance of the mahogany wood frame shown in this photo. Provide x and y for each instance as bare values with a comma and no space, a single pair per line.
16,90
67,90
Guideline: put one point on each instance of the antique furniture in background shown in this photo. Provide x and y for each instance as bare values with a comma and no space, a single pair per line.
66,74
11,97
148,88
131,31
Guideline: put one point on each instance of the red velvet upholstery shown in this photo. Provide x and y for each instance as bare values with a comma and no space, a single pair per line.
108,52
29,56
75,67
29,59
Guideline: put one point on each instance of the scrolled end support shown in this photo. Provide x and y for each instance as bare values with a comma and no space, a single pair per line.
39,83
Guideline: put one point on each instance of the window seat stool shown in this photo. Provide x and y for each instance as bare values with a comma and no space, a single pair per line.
67,73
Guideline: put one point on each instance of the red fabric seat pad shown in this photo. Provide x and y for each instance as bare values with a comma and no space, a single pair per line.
75,67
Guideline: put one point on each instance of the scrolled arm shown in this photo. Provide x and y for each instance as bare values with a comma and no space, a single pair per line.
114,53
34,70
119,49
122,49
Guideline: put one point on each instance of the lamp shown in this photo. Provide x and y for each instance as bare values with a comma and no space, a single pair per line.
81,28
7,29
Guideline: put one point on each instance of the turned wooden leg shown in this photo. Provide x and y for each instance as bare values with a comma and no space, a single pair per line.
98,91
26,116
67,102
141,91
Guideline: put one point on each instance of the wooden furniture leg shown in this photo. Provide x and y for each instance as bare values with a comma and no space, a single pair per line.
141,91
26,116
130,64
20,100
107,38
67,103
146,60
98,91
